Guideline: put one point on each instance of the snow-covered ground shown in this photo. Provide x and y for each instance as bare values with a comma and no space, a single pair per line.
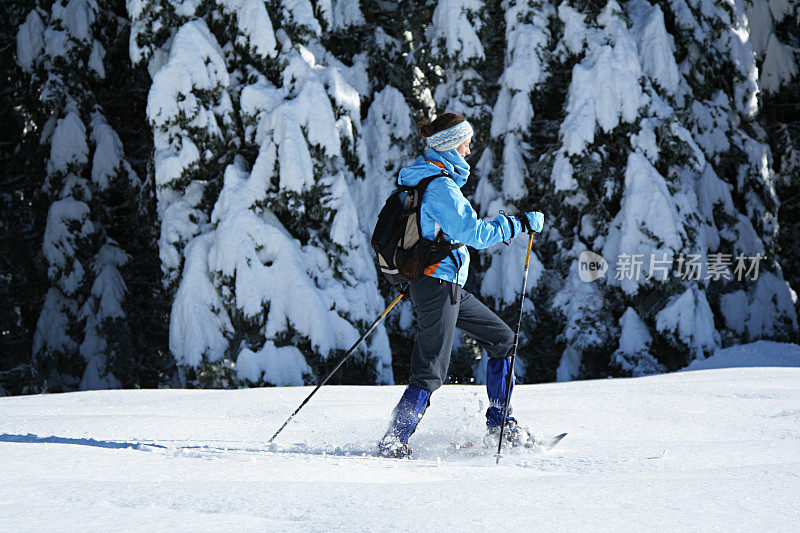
716,448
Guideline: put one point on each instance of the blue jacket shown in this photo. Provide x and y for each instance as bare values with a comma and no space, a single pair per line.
444,206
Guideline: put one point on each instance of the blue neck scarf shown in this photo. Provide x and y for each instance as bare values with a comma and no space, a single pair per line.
453,163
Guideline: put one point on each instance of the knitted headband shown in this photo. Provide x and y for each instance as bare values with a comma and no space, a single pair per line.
452,137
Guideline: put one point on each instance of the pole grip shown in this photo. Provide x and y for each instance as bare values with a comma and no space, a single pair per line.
528,255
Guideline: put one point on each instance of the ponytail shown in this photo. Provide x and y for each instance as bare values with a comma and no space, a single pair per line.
444,121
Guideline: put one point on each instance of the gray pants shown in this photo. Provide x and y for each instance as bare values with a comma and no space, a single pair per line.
437,318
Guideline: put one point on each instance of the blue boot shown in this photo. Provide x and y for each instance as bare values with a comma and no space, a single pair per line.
497,374
407,414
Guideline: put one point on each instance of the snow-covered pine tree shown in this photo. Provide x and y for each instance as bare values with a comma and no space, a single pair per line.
82,328
274,277
194,138
659,217
620,174
603,178
439,45
22,280
741,210
775,34
390,39
455,59
505,181
308,133
637,173
390,144
648,125
772,28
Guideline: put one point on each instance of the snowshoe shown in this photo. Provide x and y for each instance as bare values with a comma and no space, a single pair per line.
514,435
392,448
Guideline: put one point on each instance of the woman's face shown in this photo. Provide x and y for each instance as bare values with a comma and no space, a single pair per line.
463,148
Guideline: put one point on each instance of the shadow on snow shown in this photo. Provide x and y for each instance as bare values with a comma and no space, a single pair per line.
30,438
347,451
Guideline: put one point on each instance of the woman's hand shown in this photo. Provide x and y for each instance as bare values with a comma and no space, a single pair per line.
533,221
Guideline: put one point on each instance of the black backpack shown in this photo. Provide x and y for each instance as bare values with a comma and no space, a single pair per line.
403,253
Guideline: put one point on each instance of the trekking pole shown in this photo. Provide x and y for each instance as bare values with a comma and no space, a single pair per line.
514,353
340,363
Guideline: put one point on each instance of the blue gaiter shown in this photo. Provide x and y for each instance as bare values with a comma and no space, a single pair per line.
498,372
409,412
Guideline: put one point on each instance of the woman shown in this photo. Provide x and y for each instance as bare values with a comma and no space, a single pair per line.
440,303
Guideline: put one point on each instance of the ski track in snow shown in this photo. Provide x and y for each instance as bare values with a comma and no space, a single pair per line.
693,450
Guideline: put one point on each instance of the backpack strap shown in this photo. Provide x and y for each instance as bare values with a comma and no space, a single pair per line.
456,286
421,187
